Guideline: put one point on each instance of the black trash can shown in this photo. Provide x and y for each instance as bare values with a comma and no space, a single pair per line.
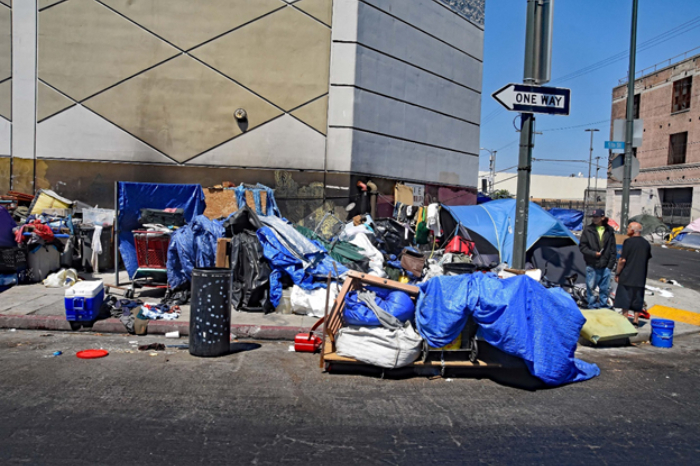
210,312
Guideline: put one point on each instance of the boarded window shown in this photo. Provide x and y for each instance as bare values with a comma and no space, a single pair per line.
637,103
681,94
677,147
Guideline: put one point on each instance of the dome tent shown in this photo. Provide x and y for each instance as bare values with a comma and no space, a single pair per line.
550,245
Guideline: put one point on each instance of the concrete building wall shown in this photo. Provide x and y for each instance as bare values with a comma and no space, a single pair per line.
406,89
547,187
660,122
123,90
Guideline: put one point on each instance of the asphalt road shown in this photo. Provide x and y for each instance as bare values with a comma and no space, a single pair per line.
272,406
680,265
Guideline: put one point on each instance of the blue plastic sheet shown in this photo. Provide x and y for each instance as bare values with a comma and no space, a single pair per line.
193,245
571,218
397,303
282,261
518,316
136,196
7,223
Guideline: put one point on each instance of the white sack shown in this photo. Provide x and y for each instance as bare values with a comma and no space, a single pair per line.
311,303
380,346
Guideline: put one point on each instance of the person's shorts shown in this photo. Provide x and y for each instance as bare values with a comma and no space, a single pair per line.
629,297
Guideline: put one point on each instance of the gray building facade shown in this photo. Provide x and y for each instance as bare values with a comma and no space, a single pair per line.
98,91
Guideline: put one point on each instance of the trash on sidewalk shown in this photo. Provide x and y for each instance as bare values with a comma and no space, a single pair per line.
175,334
92,354
605,325
662,292
64,278
152,346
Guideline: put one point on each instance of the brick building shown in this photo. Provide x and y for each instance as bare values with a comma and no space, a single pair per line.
668,185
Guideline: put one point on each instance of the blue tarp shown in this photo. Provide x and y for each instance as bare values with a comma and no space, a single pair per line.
283,261
482,198
136,196
7,238
571,218
397,303
517,315
193,245
495,222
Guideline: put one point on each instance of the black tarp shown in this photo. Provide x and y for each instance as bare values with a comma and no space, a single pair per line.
250,287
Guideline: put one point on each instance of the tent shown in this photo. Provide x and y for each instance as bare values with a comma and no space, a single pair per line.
550,245
689,237
571,218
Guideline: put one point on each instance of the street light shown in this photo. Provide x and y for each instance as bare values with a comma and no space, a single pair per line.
492,168
590,162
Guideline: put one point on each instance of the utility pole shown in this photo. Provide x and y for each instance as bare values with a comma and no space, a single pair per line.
627,179
492,168
537,71
590,163
597,159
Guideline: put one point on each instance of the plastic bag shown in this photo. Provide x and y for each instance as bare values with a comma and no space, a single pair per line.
313,302
64,278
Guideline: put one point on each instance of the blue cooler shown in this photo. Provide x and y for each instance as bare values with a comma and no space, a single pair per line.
83,301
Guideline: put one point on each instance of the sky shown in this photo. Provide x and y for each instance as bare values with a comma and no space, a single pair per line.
586,33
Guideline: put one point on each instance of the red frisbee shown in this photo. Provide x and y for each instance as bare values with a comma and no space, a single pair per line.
92,354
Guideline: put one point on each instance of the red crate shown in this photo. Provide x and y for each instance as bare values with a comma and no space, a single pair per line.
151,249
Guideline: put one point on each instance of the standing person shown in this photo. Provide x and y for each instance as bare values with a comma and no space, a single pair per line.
599,251
631,274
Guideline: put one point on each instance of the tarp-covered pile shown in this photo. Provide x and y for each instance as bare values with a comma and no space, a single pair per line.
517,315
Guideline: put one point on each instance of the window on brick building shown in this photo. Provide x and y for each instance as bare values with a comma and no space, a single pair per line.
681,94
676,148
637,103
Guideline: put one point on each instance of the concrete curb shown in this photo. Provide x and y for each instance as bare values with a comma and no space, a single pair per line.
59,323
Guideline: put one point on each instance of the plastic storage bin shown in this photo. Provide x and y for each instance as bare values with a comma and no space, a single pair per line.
83,301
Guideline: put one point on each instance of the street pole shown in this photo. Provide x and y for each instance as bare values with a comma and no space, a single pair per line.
536,71
627,178
492,168
597,159
590,163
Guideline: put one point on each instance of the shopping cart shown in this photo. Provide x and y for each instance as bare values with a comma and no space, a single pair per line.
151,257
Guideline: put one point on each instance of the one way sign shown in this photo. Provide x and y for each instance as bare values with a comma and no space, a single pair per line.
534,99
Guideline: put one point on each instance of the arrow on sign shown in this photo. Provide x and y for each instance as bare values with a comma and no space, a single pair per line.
534,99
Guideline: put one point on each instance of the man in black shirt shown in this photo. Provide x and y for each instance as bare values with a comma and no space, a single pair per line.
599,251
631,274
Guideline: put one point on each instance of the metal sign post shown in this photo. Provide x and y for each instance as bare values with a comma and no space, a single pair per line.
538,46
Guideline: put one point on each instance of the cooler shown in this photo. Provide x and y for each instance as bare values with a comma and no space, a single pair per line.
83,301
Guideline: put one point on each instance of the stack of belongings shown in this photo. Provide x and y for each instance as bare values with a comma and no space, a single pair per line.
258,197
518,315
192,245
46,236
297,262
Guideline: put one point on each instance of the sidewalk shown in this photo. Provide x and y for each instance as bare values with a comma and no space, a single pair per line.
35,307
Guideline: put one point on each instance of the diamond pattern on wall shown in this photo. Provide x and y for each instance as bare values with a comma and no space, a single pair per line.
6,99
319,9
187,23
46,3
284,57
7,2
181,107
84,48
49,102
5,43
314,114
